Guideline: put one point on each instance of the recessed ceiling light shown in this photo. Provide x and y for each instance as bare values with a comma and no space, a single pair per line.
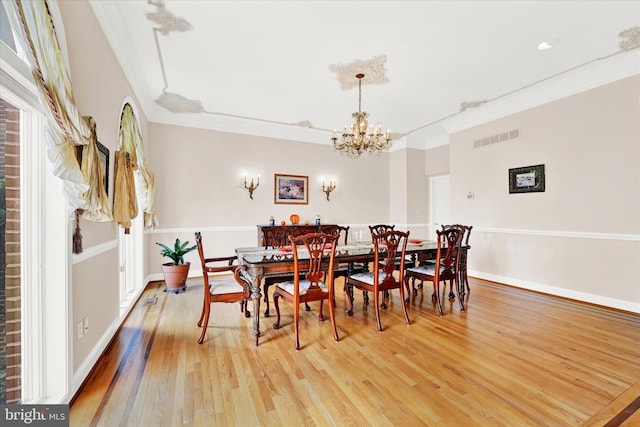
549,43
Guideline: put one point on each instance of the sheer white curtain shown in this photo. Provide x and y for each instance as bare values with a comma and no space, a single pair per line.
66,128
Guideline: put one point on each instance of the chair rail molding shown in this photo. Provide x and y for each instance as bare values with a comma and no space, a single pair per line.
560,233
94,251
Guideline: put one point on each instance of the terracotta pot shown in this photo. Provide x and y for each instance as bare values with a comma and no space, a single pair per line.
175,276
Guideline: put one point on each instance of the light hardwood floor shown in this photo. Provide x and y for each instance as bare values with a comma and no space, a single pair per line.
514,358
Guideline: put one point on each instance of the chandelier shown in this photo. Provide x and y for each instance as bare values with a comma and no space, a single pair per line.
361,138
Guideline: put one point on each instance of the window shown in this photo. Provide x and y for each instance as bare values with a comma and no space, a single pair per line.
37,363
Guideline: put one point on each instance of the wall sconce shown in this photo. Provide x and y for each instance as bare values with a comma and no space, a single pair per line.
329,188
251,186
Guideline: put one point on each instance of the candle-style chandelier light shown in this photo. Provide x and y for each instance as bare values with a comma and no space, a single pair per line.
360,137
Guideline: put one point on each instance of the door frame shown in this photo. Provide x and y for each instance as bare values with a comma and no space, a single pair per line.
436,200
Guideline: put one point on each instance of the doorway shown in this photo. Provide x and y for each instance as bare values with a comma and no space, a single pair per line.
439,202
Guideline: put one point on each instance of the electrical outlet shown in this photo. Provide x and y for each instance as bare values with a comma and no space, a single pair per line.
80,329
85,322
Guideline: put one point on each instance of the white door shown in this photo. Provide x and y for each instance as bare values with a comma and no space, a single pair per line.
439,202
126,266
130,260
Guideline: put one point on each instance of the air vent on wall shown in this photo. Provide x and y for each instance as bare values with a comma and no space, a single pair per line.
500,137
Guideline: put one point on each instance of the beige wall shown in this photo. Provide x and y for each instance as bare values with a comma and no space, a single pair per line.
417,184
408,207
100,89
199,186
579,238
437,160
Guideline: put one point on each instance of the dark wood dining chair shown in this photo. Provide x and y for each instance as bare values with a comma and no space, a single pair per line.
320,249
388,247
464,251
342,269
448,248
221,287
381,228
409,260
275,237
464,254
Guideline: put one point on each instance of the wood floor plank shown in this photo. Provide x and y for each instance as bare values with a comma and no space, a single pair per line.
512,358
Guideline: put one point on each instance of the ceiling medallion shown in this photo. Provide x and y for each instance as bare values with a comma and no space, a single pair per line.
630,39
179,104
373,68
361,138
471,104
167,21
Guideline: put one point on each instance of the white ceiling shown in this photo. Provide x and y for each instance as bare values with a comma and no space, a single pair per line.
269,64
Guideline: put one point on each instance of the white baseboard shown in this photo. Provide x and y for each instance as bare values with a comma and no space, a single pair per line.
561,292
83,371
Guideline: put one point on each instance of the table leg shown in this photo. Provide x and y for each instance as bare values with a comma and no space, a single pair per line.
256,277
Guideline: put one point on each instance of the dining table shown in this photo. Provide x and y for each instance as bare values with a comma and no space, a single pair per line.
261,262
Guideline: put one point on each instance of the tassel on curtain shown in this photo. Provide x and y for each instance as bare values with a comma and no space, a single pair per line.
77,236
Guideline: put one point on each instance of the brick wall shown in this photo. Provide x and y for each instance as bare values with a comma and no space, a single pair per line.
10,316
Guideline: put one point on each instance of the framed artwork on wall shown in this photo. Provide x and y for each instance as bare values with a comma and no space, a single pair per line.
291,189
528,179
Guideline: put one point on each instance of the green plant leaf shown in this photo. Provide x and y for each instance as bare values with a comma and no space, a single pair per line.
177,253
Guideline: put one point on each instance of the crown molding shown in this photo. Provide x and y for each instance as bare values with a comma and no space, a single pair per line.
222,123
589,76
132,69
580,79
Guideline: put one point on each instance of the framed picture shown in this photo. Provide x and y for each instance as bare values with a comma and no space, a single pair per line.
103,152
529,179
291,189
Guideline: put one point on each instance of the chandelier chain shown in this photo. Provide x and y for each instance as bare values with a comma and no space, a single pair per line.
360,94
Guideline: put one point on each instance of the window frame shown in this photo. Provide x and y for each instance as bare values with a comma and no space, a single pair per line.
46,344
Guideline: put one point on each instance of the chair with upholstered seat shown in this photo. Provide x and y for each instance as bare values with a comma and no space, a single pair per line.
448,248
221,287
389,246
275,237
464,250
409,260
312,254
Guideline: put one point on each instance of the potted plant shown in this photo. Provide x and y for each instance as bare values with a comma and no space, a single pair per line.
176,272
